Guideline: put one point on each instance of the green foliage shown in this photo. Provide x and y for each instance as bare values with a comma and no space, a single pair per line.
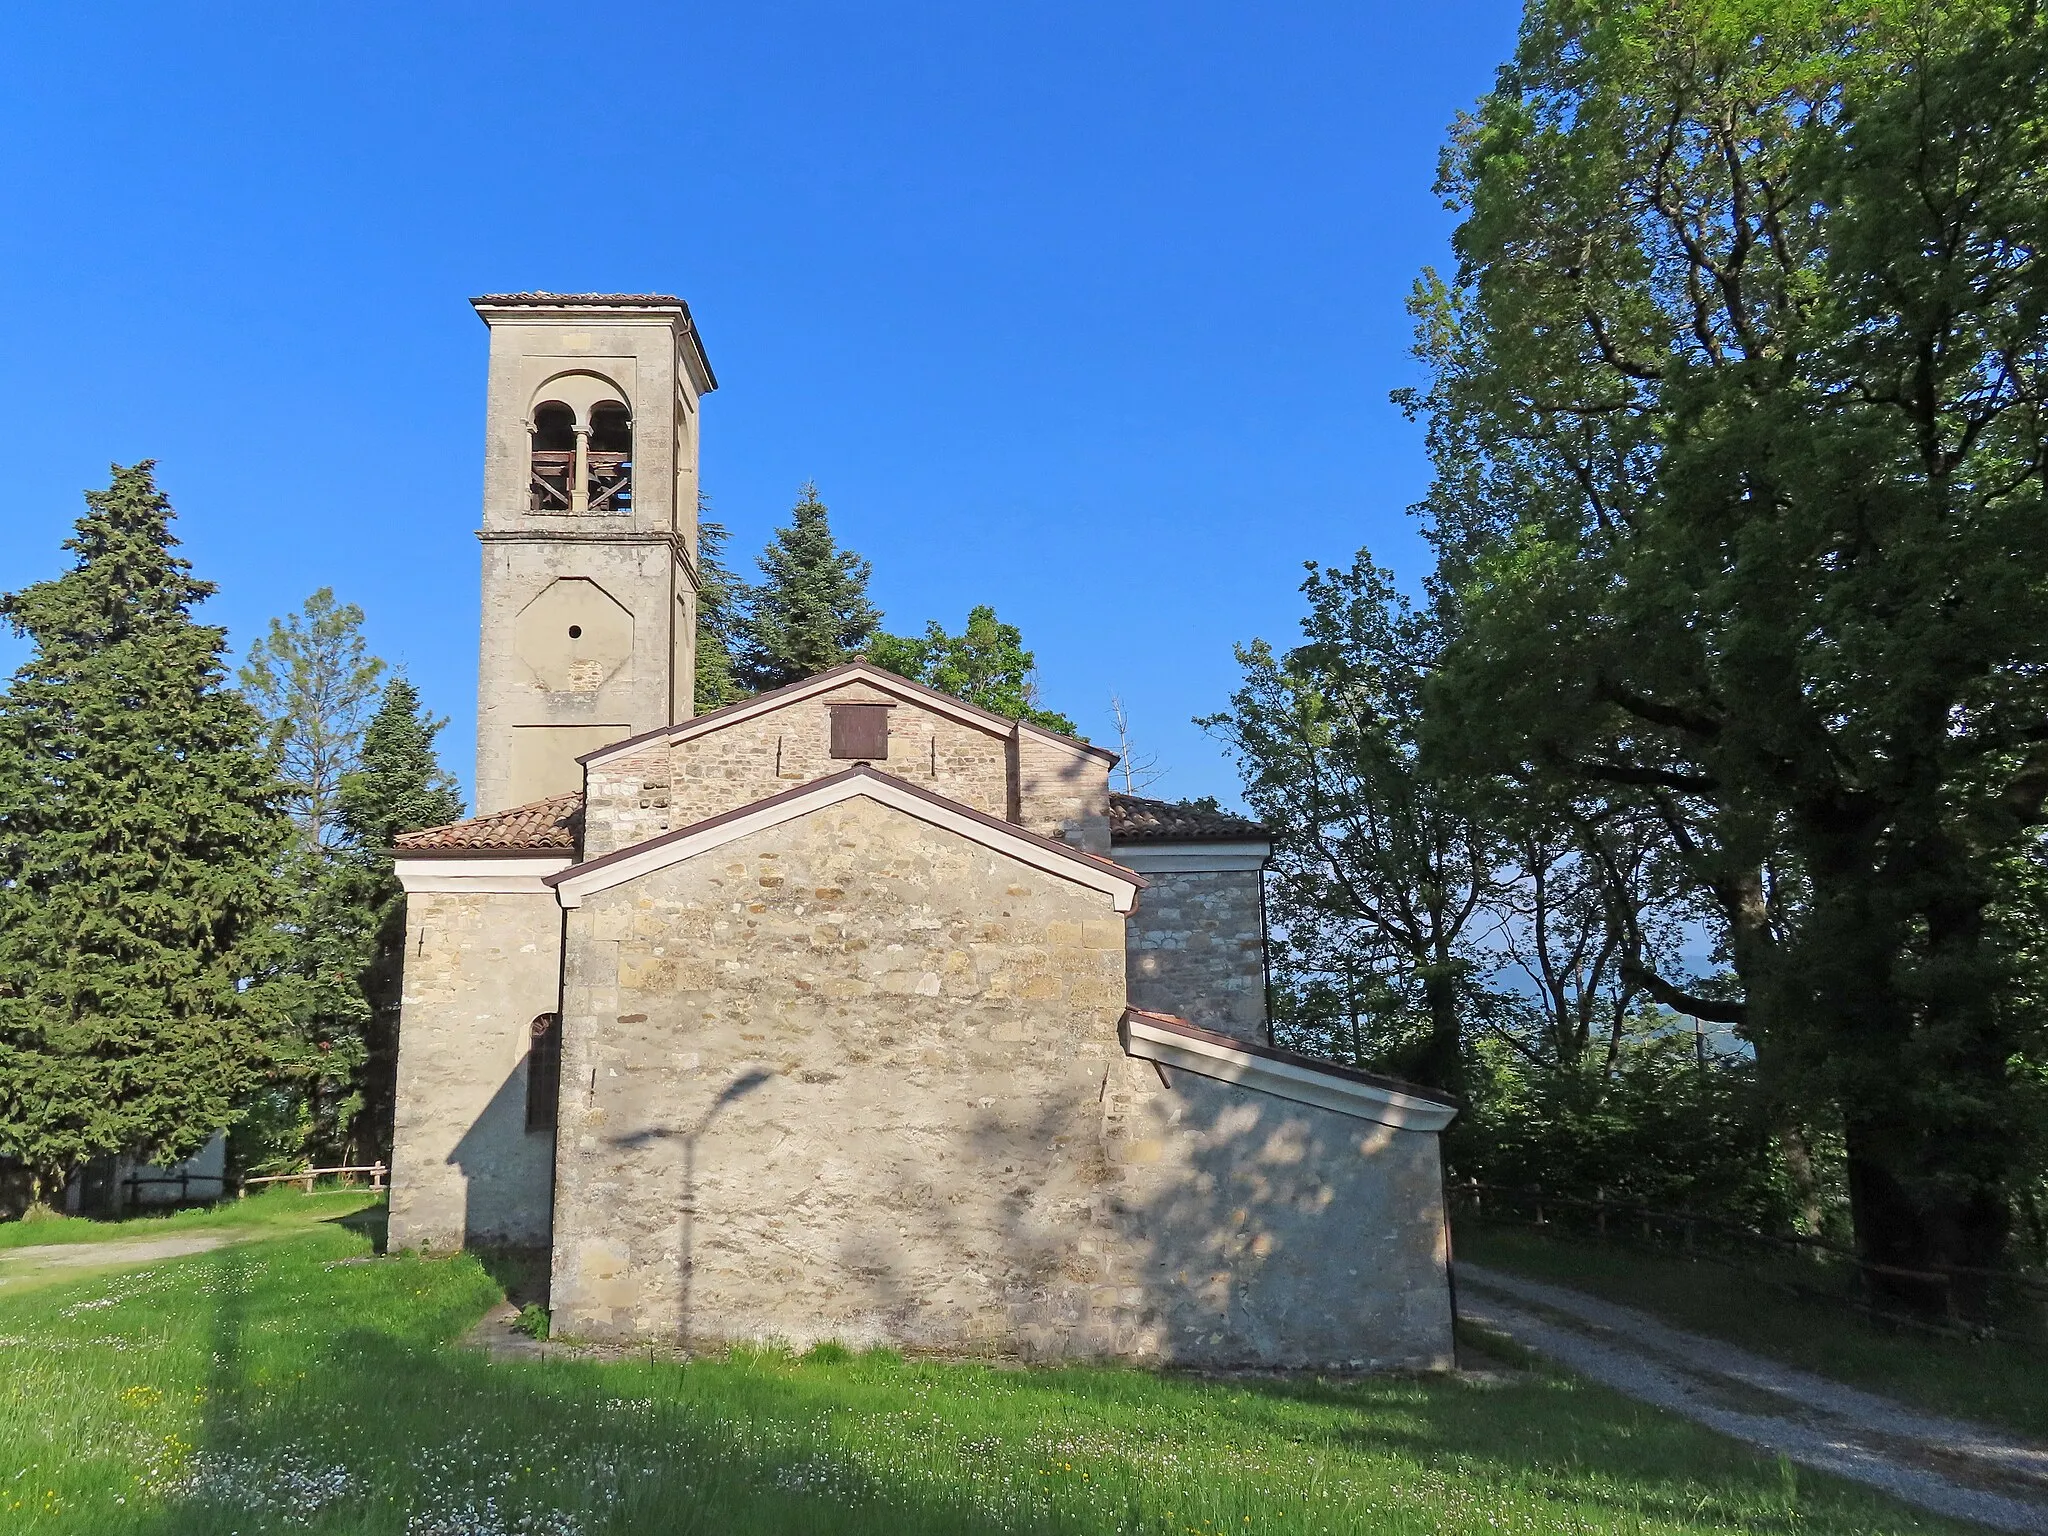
1669,1125
398,786
532,1320
329,1096
811,609
272,1386
314,679
1380,872
140,840
721,619
985,664
1738,428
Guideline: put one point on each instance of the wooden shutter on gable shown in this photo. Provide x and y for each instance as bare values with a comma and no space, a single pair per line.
860,732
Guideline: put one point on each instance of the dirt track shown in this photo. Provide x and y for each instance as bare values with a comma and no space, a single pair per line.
1947,1466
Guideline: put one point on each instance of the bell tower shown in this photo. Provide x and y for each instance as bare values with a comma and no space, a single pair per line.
589,533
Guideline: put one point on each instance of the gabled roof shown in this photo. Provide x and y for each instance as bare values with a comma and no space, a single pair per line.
553,825
1121,885
836,677
1134,819
1174,1042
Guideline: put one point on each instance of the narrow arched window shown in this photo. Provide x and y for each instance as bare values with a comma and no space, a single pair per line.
554,458
543,1071
611,457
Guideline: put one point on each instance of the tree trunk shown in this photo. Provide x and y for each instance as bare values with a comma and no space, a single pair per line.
1915,1068
1439,1063
1917,1229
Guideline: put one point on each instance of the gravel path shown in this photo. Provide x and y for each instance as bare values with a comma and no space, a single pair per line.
1947,1466
18,1264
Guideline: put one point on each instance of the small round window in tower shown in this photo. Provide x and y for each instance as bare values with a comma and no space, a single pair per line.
575,631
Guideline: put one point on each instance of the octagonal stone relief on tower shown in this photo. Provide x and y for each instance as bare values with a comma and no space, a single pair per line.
575,636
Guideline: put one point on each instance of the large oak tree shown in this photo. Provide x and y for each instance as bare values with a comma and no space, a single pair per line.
1737,414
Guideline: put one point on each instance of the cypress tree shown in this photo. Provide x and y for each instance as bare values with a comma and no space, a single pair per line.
811,610
140,838
399,786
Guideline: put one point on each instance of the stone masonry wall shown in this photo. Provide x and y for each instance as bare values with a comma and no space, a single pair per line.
626,799
662,787
858,1078
1062,792
464,1169
1250,1229
1197,949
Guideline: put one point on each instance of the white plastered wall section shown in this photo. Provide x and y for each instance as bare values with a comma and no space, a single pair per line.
483,957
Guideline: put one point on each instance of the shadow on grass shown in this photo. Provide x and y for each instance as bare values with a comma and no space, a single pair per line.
372,1223
378,1427
521,1273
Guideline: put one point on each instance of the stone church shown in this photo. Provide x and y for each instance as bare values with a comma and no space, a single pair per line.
850,1011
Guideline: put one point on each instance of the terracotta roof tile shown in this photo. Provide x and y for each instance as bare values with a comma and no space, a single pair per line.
1134,819
557,823
542,297
552,824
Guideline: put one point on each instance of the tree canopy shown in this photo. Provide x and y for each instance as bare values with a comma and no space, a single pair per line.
141,829
811,609
986,664
1736,411
721,619
314,678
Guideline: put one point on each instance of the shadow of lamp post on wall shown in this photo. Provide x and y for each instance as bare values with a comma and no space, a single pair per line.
732,1093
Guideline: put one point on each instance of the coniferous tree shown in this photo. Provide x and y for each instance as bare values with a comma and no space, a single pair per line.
721,613
811,610
140,834
399,786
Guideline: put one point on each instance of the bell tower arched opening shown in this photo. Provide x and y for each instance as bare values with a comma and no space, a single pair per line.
554,457
611,457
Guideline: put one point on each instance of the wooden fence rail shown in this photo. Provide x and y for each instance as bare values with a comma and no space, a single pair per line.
376,1171
1690,1227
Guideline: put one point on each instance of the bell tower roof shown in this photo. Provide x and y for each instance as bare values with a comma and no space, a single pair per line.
540,305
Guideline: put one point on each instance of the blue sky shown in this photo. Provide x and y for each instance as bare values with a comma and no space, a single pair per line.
1089,312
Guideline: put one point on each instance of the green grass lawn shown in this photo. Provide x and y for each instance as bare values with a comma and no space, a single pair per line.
296,1383
1998,1383
276,1209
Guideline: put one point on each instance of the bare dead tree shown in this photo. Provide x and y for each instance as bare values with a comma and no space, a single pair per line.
1140,770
